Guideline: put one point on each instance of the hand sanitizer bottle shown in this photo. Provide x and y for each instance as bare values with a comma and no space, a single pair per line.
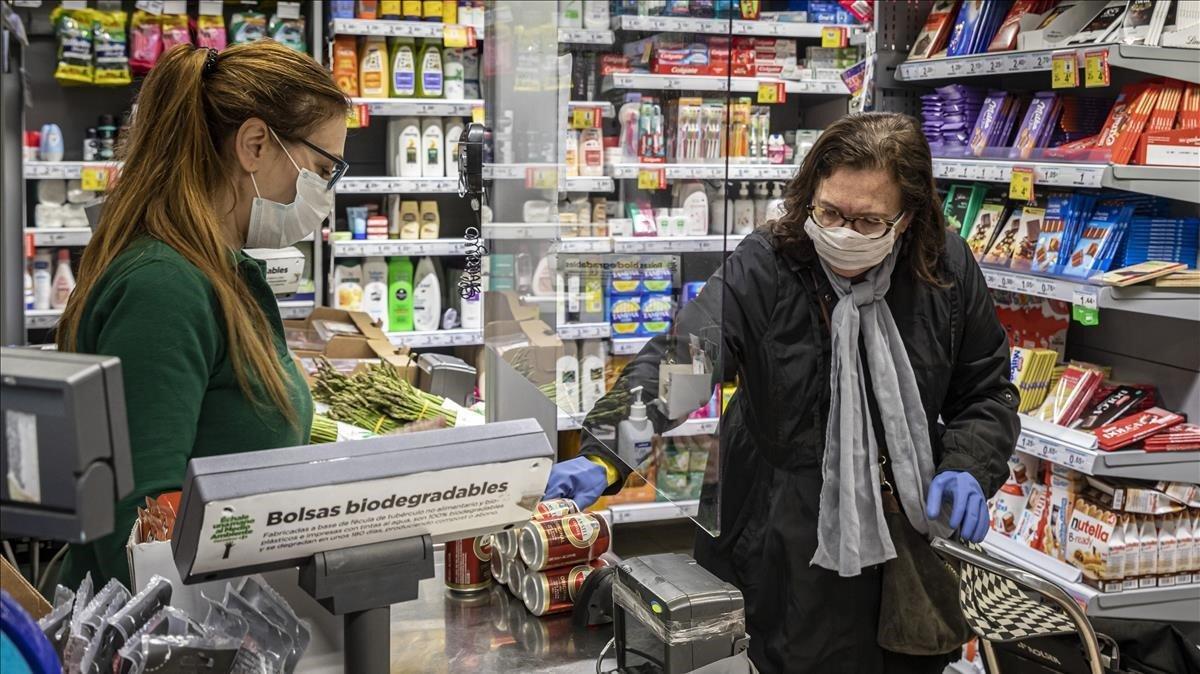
635,435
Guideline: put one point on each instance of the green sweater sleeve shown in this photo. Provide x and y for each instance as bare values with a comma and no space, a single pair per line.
161,321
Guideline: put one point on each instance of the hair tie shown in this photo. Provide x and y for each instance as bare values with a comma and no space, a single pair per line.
210,62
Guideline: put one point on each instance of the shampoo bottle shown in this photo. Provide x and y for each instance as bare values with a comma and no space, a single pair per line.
776,207
761,196
591,153
433,162
375,290
431,223
571,153
472,310
372,68
429,70
567,378
454,129
400,294
427,296
29,296
743,212
347,285
409,160
694,200
635,435
43,280
403,82
454,80
64,281
410,220
719,212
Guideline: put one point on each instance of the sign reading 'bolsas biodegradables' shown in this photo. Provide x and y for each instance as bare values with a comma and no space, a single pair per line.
449,504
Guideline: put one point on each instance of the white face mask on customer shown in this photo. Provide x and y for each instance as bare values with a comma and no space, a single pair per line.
276,225
845,248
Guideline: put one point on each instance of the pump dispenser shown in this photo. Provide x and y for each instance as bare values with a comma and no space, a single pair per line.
635,435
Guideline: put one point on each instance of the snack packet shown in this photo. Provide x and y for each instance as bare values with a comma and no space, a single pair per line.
110,43
73,28
247,27
146,42
174,30
210,32
288,32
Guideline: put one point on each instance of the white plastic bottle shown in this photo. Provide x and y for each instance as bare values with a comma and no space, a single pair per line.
64,281
43,280
694,200
718,211
761,196
635,435
472,311
743,212
571,153
567,378
29,299
427,296
595,14
776,207
408,161
454,129
433,149
348,285
570,13
375,290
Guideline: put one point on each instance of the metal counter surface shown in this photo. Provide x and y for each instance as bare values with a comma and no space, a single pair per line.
491,632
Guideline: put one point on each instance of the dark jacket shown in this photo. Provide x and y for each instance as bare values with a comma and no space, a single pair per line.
766,313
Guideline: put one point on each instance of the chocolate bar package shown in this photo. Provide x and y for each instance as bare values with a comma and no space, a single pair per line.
987,222
1115,405
1001,251
936,32
990,117
1039,119
1138,426
1050,236
1093,251
966,25
1006,37
1027,238
957,208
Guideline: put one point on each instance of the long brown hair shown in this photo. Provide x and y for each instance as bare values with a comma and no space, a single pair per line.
174,165
873,140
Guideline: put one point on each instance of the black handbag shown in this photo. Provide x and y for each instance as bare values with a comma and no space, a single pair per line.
919,611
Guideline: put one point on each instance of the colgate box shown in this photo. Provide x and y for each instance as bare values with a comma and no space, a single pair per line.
740,57
680,59
774,57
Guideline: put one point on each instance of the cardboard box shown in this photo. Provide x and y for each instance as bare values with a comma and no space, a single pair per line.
284,268
521,338
12,582
362,339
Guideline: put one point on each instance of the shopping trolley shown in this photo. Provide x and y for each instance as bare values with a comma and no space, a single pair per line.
1025,622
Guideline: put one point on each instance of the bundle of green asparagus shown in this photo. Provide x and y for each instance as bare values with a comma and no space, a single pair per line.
376,399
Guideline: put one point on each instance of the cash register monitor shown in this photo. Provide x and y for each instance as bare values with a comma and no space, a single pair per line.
64,457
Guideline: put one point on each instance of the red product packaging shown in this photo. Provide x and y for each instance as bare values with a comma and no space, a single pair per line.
1131,130
1177,147
1137,426
862,10
554,590
1006,37
614,63
1178,438
680,59
1073,392
722,56
468,564
1189,107
936,32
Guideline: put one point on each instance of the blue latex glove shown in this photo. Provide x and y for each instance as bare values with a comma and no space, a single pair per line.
969,514
578,479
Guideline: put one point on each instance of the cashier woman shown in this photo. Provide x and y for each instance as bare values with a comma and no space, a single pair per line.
869,362
226,151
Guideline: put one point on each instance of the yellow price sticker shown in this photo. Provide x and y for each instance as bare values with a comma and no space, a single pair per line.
94,178
1095,68
1064,72
458,36
1020,184
652,179
584,118
477,114
358,117
833,37
771,93
541,178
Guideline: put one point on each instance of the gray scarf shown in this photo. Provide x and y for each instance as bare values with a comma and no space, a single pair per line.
851,531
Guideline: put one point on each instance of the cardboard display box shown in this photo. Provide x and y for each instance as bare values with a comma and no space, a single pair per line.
341,335
521,338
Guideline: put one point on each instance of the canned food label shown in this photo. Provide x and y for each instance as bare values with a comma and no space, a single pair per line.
575,579
554,508
581,530
483,548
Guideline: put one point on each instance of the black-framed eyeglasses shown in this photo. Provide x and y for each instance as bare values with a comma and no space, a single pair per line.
340,166
872,228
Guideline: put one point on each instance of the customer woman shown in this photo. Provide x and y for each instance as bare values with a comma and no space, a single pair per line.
230,150
867,351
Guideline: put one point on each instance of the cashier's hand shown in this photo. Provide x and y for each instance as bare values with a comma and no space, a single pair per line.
579,479
969,509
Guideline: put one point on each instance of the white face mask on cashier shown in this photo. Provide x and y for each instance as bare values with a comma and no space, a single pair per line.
846,249
276,225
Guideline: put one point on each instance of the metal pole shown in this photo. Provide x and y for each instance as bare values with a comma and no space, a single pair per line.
12,194
368,641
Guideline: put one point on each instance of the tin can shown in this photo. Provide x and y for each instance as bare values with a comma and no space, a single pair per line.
544,638
554,590
504,543
499,567
567,541
516,577
468,564
554,509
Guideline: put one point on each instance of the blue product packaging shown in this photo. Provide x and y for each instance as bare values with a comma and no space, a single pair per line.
624,315
657,308
653,328
625,277
356,218
342,9
691,291
658,276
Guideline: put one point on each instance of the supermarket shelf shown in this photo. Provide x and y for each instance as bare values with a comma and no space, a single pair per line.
678,24
705,171
585,36
712,243
295,309
416,107
1078,450
1183,64
658,511
589,184
69,170
547,176
437,338
411,248
717,83
1180,303
1172,604
59,236
583,244
391,28
628,346
606,107
693,427
1172,182
512,231
45,318
388,185
584,331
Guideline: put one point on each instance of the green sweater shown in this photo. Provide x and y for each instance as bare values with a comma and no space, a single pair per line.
158,313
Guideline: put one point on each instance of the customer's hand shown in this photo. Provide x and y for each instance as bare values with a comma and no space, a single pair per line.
579,479
969,508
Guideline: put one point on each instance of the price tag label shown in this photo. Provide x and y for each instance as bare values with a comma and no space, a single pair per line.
477,114
1086,306
833,37
175,7
288,10
211,8
1020,184
94,178
1095,68
652,179
1064,71
149,6
585,118
771,93
358,117
541,178
458,36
